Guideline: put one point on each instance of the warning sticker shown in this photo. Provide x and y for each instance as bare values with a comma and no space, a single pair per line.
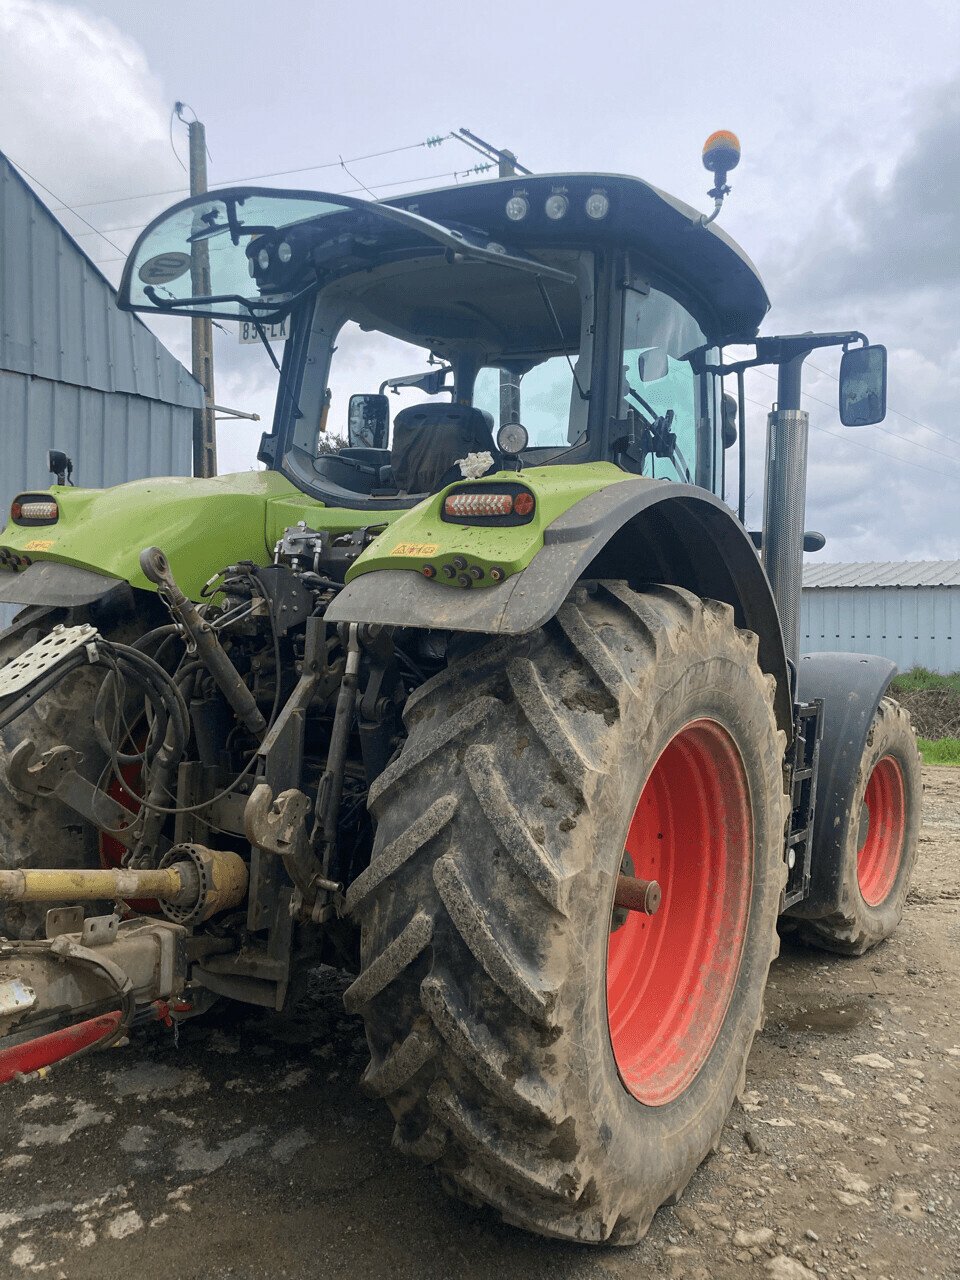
415,549
38,544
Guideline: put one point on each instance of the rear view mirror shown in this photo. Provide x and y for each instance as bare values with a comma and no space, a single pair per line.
863,386
652,364
368,422
728,420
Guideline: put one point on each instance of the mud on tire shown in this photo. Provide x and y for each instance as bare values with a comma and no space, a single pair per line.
486,909
880,847
47,834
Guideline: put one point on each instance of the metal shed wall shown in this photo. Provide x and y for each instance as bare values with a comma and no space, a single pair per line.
75,372
914,626
58,313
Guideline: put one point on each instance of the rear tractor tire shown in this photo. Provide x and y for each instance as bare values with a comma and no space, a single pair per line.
569,1064
47,833
880,845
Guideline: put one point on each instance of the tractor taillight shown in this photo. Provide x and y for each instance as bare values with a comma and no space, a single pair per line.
478,504
27,510
482,503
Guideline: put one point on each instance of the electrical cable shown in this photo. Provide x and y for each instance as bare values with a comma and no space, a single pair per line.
173,148
195,808
53,195
259,177
904,462
890,409
916,444
350,191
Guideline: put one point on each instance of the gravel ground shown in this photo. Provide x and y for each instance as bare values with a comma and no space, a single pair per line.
246,1150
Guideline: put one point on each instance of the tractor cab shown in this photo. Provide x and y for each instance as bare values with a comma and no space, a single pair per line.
557,319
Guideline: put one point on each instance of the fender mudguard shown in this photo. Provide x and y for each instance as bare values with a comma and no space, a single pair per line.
57,585
639,531
850,685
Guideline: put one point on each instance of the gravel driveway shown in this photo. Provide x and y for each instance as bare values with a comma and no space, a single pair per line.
247,1150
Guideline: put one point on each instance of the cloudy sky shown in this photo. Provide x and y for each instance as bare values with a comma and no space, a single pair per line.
847,197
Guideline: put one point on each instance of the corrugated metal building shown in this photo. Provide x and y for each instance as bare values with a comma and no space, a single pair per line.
75,373
908,611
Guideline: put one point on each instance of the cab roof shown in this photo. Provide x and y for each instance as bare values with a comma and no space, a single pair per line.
702,267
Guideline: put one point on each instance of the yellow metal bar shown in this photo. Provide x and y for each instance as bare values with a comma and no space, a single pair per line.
35,885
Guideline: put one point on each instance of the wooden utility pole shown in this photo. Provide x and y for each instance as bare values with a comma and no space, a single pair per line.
509,382
204,423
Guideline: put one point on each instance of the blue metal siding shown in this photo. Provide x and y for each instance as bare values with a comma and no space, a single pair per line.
58,314
75,372
110,437
913,626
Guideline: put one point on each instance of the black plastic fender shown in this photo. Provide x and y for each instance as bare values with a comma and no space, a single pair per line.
850,686
640,530
52,583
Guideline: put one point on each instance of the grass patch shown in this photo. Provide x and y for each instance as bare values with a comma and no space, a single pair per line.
940,750
921,678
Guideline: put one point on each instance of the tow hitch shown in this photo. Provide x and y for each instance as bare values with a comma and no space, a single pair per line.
107,972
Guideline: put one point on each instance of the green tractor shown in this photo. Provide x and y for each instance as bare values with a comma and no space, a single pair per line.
498,707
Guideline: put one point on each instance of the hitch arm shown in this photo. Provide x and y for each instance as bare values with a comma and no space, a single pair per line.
156,568
55,774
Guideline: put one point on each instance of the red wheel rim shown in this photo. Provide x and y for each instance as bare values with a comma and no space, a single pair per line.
878,859
671,976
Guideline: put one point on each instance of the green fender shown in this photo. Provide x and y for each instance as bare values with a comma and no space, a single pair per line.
639,530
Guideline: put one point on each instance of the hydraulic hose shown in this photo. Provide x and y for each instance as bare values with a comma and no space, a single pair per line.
228,679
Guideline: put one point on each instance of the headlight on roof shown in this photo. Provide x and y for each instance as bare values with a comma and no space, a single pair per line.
517,208
597,205
556,206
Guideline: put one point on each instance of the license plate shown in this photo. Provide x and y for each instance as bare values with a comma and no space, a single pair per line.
278,332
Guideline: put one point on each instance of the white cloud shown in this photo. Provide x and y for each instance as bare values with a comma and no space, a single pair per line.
82,109
849,230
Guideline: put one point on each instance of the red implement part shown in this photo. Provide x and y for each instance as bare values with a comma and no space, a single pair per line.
878,860
44,1051
111,850
671,976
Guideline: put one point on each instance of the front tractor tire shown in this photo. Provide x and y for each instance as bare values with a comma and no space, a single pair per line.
569,1064
879,846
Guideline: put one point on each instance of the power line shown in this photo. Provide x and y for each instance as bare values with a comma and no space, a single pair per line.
434,141
917,444
906,417
379,186
859,443
53,195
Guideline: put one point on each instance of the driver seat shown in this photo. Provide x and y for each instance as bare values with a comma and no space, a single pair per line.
429,439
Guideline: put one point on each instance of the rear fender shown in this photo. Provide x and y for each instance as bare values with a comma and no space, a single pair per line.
637,530
850,686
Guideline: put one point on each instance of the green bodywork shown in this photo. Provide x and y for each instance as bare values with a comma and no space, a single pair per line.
204,525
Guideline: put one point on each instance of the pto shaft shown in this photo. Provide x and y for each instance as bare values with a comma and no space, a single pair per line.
29,885
194,883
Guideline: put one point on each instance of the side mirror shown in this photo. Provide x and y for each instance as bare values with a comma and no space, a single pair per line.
368,422
863,386
728,420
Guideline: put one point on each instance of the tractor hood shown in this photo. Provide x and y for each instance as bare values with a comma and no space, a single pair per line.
202,525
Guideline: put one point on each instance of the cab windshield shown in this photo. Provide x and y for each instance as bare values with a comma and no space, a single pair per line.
444,344
414,341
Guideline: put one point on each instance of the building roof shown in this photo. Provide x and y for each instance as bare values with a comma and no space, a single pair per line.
59,313
884,573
